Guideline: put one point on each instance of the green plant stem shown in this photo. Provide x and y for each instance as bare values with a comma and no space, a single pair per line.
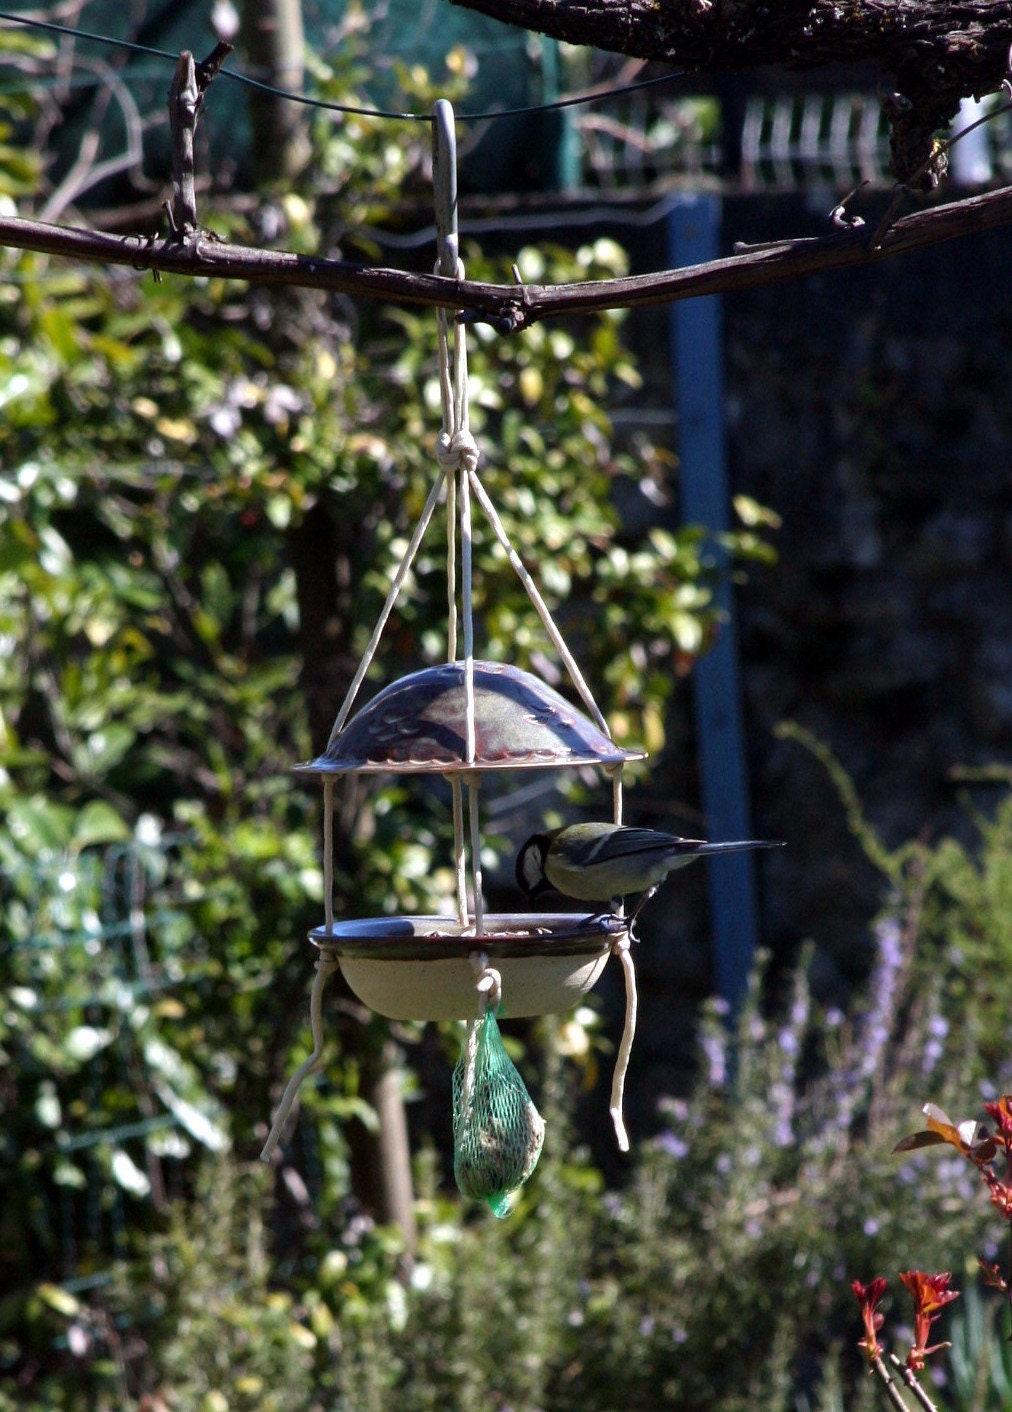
875,850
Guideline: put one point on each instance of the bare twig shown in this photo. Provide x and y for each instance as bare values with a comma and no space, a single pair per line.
891,1390
184,99
509,306
935,52
911,1381
189,84
838,215
937,162
86,171
209,68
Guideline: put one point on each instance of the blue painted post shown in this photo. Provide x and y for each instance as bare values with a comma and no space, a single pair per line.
697,354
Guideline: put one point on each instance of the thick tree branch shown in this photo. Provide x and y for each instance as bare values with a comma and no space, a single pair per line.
507,306
936,51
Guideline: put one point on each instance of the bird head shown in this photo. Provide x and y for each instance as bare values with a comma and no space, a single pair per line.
531,878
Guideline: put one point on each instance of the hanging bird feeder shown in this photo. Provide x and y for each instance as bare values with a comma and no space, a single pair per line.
462,720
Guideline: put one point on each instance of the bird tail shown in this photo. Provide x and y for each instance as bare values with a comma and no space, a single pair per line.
705,849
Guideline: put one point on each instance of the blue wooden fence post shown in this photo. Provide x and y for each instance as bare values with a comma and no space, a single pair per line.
697,354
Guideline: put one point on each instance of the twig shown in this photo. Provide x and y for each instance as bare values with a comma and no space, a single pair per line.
184,99
86,172
209,68
518,309
937,158
911,1381
892,1391
186,93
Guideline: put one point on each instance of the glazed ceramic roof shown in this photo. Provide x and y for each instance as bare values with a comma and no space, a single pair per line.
416,725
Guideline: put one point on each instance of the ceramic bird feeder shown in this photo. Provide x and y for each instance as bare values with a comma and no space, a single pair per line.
464,719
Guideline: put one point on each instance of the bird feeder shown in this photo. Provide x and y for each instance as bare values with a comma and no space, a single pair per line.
462,720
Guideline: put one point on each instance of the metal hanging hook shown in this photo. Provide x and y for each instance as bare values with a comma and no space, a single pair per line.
444,182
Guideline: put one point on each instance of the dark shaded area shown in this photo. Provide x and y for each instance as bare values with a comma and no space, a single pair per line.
870,411
933,55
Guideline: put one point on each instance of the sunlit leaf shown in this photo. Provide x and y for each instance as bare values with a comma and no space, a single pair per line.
99,823
61,1300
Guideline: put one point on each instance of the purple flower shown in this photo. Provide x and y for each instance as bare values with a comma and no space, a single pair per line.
875,1030
782,1099
878,1023
716,1057
673,1145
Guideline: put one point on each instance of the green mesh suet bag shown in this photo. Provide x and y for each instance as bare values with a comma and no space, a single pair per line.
497,1131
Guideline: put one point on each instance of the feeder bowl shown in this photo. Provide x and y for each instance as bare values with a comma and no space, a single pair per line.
419,968
418,725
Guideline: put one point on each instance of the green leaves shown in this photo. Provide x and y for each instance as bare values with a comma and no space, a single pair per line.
203,489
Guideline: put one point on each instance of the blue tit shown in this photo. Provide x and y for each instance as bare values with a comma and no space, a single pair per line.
598,861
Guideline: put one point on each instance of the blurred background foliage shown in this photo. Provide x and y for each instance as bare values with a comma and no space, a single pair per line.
168,452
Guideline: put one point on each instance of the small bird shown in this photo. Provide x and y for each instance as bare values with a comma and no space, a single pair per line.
593,862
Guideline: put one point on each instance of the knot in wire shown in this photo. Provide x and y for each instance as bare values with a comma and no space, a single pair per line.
457,452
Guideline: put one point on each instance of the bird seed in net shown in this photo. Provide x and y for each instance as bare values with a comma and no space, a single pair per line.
497,1131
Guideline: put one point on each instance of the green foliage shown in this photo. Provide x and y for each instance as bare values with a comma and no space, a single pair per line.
964,909
170,454
718,1279
980,1361
164,452
968,926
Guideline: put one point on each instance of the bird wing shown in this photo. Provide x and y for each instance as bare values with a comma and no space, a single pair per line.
631,842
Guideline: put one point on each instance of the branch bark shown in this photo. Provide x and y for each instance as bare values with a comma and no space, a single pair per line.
507,306
184,99
937,51
189,84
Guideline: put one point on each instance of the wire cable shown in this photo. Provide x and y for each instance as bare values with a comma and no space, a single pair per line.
54,28
574,100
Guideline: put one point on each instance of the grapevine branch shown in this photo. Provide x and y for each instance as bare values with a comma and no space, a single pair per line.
512,307
190,250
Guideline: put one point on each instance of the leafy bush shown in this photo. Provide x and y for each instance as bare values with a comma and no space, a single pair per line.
165,454
202,490
720,1278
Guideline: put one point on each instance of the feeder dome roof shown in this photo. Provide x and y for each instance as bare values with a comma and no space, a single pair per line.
417,724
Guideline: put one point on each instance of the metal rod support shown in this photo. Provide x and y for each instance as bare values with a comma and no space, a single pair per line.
444,182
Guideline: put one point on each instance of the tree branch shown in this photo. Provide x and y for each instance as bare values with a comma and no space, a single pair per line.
184,100
507,306
189,84
936,52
